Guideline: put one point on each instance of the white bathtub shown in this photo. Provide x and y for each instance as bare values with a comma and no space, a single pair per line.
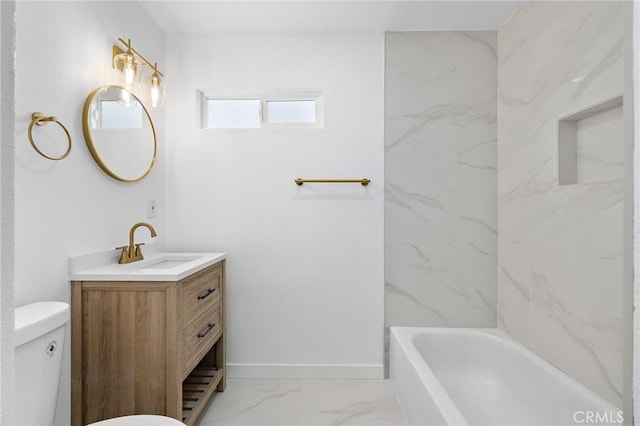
458,376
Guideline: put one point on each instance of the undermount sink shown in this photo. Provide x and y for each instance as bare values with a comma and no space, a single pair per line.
154,267
168,263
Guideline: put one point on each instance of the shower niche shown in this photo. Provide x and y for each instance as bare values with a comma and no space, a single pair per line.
591,144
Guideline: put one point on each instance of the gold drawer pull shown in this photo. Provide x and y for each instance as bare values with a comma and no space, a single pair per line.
209,328
207,294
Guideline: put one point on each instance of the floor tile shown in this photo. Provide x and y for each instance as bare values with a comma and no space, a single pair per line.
304,402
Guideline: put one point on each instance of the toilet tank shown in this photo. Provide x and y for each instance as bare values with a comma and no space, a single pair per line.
39,340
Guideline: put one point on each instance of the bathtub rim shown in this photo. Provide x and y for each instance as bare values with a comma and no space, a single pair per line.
404,338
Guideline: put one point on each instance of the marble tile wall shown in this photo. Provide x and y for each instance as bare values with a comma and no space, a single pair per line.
559,246
440,179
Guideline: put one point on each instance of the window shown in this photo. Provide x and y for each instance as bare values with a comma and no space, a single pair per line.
233,113
280,112
276,109
118,115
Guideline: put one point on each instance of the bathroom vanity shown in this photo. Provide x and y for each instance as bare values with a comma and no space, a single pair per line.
148,337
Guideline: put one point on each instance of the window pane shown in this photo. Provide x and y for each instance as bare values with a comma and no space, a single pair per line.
242,113
119,115
291,111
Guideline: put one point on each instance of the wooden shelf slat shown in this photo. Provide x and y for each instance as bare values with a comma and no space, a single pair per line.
191,396
194,387
193,401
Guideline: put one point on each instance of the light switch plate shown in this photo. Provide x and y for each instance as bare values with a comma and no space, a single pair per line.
152,208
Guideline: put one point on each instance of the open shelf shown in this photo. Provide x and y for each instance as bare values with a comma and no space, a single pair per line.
196,390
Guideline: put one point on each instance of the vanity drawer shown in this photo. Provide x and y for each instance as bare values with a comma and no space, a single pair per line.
200,335
200,292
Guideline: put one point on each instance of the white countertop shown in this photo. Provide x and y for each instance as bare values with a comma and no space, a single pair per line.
162,266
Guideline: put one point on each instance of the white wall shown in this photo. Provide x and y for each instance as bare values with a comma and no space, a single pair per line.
70,207
440,177
7,212
560,276
305,264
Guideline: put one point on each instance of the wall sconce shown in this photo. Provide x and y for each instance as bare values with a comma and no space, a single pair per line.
130,62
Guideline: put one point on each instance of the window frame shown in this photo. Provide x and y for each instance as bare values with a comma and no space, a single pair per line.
280,95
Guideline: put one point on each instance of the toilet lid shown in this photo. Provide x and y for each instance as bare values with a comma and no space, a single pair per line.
141,420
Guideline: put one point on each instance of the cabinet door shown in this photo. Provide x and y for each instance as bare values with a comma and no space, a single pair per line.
126,367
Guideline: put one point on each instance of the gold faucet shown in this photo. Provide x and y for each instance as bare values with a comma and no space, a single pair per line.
133,252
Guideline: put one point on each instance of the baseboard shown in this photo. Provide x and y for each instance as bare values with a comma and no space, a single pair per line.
305,371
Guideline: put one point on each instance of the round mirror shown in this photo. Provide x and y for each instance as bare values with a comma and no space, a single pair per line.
119,133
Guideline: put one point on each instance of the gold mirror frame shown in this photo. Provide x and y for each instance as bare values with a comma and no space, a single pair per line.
86,129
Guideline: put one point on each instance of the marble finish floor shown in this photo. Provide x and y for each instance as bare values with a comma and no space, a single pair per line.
297,402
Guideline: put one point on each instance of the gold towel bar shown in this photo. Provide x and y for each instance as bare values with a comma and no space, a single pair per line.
363,182
39,119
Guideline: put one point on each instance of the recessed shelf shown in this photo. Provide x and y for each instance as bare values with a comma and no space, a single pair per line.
590,144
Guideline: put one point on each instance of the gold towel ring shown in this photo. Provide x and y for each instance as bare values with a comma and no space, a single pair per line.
40,119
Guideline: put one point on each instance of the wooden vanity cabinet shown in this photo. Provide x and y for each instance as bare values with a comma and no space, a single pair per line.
147,347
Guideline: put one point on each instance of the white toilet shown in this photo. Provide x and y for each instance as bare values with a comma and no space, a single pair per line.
141,420
39,339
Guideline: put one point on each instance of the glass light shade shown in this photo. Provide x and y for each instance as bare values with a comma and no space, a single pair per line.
126,98
126,63
156,91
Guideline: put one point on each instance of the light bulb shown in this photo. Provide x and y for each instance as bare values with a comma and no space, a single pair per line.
156,92
129,71
155,96
125,98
